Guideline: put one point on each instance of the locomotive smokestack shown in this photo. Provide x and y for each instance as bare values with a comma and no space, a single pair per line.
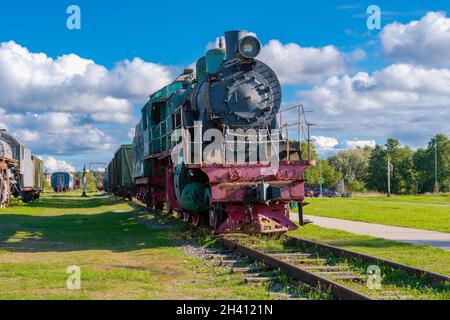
232,39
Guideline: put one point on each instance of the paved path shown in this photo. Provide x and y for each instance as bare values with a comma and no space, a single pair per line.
408,235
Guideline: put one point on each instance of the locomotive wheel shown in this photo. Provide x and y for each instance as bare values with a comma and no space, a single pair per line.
159,206
199,220
196,218
213,219
216,216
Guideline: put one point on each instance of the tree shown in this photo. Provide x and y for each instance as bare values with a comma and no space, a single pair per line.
377,170
353,165
420,166
424,164
312,174
329,175
403,176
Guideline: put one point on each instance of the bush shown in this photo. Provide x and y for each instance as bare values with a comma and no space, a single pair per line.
16,202
355,186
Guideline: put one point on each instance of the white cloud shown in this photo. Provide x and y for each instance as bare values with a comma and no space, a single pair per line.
404,101
131,133
27,136
57,133
325,143
327,146
53,165
399,85
356,55
37,83
353,144
426,41
70,105
215,44
296,65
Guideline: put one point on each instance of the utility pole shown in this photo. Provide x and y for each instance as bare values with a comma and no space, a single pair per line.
84,182
389,169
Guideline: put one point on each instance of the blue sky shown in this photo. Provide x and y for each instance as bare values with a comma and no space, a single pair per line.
174,34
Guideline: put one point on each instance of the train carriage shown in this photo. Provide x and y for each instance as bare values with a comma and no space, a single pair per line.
62,181
38,176
21,174
119,177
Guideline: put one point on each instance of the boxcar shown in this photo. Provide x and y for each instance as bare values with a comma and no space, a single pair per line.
38,176
62,181
119,172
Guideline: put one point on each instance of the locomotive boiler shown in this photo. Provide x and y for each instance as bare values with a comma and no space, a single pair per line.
210,145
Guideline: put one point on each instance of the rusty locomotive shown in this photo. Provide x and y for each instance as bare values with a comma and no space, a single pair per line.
21,174
213,148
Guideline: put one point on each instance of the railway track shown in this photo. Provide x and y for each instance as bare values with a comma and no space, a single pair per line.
318,266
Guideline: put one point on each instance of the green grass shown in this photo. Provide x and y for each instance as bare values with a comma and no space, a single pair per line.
122,253
431,199
419,216
424,257
125,253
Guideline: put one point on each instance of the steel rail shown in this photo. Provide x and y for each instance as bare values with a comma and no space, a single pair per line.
317,281
430,276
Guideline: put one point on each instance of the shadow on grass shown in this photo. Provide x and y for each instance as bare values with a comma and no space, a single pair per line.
61,202
117,231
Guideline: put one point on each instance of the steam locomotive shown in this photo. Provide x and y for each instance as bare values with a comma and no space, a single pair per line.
21,174
211,146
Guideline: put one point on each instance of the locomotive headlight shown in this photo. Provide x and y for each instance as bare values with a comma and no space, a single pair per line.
249,47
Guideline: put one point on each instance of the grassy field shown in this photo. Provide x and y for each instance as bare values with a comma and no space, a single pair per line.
125,253
420,216
425,257
431,199
122,255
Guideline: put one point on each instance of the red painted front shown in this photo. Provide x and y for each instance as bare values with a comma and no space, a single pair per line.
228,184
229,187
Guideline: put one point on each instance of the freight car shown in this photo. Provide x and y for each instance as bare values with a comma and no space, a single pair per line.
212,146
21,174
118,176
62,181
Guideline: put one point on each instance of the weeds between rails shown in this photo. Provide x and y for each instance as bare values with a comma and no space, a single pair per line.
345,271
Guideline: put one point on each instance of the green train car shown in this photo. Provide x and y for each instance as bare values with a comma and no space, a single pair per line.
118,177
38,175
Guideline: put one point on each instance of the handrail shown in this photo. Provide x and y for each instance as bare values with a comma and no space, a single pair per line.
284,126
